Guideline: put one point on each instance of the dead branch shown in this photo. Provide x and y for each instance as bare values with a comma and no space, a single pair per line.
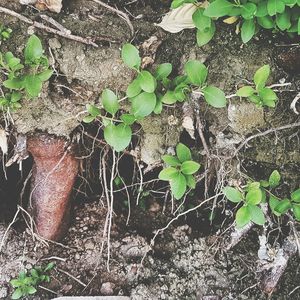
237,234
271,272
87,41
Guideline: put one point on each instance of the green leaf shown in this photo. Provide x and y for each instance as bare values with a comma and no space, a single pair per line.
178,186
273,202
255,99
247,30
33,85
296,211
295,196
274,179
248,10
93,110
261,76
13,84
45,75
15,283
214,96
130,56
15,97
33,50
177,3
171,160
34,273
196,72
17,294
268,97
133,89
49,267
31,290
189,167
204,36
158,106
242,217
283,206
264,183
118,136
147,82
275,6
190,181
88,119
179,92
169,98
218,8
257,215
143,104
163,71
283,20
183,152
110,101
232,194
290,3
201,22
128,119
245,91
266,22
253,185
261,9
11,60
254,196
168,174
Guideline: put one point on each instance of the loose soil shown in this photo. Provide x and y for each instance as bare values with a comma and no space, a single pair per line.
187,260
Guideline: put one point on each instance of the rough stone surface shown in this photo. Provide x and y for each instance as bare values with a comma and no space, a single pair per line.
245,117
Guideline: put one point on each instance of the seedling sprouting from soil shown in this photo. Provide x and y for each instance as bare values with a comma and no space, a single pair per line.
23,79
27,282
180,171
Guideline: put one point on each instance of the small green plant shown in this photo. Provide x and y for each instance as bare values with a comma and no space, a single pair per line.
180,171
280,207
147,93
26,284
260,95
250,16
23,79
251,197
256,193
5,32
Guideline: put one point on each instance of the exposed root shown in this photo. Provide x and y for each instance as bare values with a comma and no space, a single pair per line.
247,140
294,103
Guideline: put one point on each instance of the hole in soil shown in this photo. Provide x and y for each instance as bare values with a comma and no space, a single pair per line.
10,188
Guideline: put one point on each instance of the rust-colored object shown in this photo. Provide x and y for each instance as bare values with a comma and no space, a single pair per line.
54,172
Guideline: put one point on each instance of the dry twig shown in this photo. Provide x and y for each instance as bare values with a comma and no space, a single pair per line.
87,41
119,13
